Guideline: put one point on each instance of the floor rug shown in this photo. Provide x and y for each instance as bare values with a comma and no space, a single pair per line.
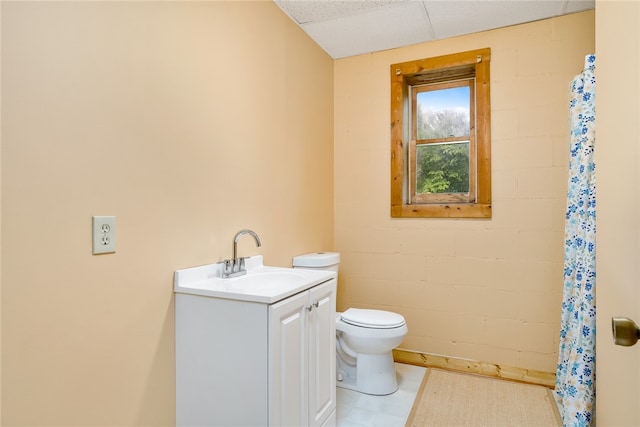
450,398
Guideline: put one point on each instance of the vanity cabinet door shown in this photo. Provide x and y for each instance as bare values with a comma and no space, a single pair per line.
288,362
322,353
302,358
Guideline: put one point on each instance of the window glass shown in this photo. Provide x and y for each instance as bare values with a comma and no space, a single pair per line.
443,113
442,168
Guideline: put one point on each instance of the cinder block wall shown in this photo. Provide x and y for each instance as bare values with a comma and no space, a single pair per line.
487,290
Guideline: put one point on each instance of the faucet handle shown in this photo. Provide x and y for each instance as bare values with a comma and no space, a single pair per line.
233,268
228,266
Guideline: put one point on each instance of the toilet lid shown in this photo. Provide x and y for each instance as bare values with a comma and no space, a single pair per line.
377,319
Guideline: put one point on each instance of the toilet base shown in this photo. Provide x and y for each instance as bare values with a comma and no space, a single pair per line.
375,374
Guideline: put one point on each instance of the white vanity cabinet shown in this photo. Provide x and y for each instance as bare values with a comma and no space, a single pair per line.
255,363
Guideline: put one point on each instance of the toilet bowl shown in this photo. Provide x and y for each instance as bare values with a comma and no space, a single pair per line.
364,338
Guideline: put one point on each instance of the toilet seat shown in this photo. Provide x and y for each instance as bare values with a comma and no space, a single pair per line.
373,319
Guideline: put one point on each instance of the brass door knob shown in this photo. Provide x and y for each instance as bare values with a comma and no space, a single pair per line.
625,331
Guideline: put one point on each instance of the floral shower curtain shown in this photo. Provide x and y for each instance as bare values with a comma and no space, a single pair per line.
575,377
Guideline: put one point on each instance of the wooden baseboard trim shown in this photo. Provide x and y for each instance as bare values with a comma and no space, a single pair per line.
528,376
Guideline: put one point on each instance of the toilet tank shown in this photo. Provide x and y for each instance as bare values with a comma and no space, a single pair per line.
318,261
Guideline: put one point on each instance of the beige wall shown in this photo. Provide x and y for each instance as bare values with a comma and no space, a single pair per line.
487,290
186,120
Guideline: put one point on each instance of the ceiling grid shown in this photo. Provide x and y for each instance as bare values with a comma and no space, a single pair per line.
354,27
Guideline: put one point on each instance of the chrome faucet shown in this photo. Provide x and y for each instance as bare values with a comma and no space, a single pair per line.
234,267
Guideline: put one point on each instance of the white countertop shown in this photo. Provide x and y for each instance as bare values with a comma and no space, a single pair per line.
262,284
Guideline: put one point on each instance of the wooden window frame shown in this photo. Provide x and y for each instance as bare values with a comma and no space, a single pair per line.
440,70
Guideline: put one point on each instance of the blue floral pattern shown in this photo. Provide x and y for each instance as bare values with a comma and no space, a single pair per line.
575,376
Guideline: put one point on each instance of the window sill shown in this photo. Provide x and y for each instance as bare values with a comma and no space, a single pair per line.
450,210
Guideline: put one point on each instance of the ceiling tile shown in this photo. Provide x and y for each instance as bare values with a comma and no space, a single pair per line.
463,17
401,24
578,6
303,11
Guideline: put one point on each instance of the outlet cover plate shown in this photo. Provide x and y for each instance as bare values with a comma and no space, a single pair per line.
104,234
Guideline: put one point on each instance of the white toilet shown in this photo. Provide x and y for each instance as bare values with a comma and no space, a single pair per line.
364,338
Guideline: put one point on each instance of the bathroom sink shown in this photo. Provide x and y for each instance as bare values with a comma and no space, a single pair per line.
262,283
265,278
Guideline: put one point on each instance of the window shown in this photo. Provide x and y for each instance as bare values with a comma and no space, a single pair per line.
440,137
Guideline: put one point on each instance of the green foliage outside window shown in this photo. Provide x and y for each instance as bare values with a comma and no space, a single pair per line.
442,167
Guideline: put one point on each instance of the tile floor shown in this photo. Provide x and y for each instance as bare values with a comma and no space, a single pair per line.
359,410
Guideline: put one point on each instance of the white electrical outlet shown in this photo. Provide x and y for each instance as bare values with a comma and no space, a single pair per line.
104,234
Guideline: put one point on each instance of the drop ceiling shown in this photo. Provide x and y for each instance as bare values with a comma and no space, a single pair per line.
348,28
